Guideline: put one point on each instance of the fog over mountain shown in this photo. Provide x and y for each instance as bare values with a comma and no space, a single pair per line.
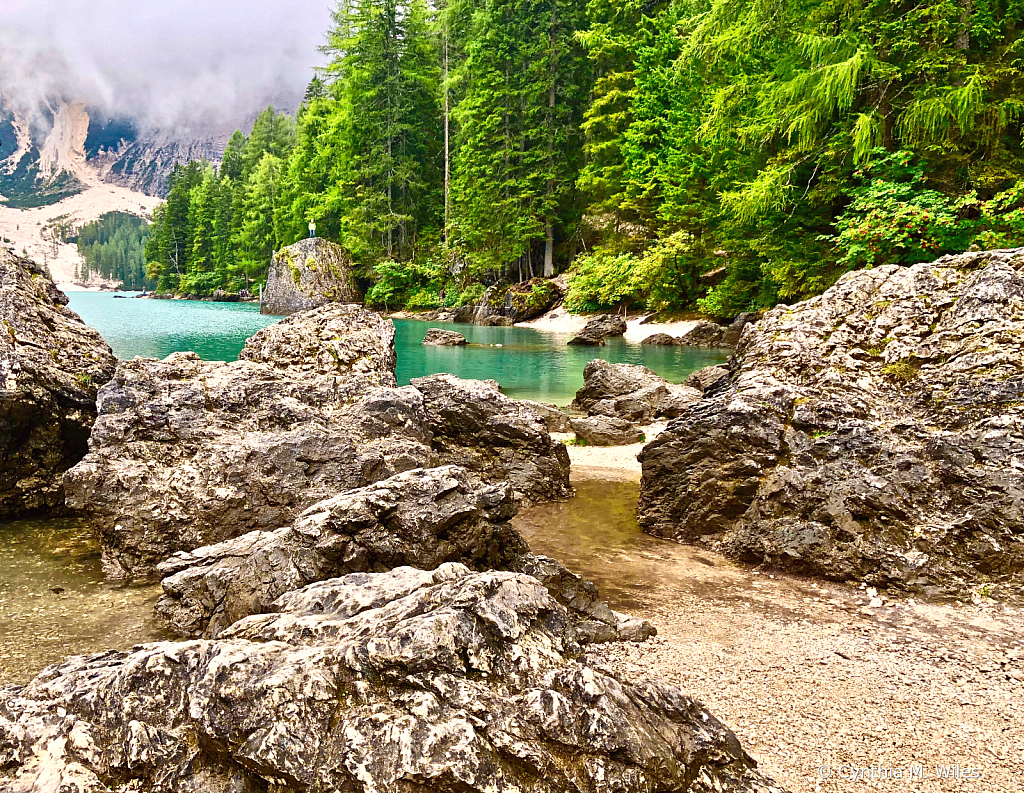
188,65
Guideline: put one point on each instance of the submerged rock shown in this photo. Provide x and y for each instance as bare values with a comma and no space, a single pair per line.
399,682
598,329
477,427
51,365
874,433
308,274
630,391
421,518
187,453
444,338
606,431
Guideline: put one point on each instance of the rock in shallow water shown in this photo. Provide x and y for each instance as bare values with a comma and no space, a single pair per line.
873,433
598,329
51,365
399,682
186,453
309,274
443,338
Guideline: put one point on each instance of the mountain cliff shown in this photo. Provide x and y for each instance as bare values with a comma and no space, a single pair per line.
53,151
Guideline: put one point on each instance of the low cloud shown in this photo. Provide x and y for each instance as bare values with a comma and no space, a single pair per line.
196,64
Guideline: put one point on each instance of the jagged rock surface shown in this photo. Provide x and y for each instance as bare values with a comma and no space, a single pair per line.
704,334
555,419
449,681
187,453
421,518
706,379
477,427
598,329
631,392
443,338
309,274
606,431
873,433
51,365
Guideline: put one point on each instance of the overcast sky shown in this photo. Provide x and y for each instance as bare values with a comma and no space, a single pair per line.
164,62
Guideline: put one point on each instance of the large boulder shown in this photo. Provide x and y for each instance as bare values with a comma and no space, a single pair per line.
400,682
874,433
704,334
439,337
660,340
531,299
476,426
598,329
708,378
51,365
556,419
631,392
187,453
421,518
308,274
606,431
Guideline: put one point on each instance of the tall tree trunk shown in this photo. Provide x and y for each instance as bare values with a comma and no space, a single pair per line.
963,36
549,231
447,144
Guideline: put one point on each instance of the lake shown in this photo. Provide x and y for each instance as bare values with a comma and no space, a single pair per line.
528,363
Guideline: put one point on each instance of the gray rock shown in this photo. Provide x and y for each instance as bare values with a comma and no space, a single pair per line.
606,431
704,334
874,433
188,453
706,379
479,428
444,338
51,365
447,680
660,340
310,273
421,518
732,334
555,419
631,392
598,329
495,321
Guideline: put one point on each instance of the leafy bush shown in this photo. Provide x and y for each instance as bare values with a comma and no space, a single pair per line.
200,283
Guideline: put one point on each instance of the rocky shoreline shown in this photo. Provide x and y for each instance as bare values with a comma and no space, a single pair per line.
365,616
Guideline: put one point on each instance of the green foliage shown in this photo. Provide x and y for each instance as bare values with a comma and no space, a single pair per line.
900,372
717,154
114,246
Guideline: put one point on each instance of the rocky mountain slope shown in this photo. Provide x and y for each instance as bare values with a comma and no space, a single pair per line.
873,433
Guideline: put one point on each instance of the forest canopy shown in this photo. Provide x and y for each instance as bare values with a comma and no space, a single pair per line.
722,155
113,246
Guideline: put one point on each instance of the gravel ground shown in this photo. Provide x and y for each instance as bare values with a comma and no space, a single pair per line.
820,681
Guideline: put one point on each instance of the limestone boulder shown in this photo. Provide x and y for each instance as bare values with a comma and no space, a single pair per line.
422,518
187,453
439,337
406,681
874,433
310,273
606,431
631,392
660,340
51,366
704,334
477,427
598,329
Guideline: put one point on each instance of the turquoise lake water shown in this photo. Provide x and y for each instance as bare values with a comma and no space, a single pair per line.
529,364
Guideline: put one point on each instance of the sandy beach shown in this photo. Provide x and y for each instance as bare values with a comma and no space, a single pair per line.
558,320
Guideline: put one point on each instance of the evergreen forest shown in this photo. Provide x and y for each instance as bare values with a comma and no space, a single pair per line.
113,246
717,155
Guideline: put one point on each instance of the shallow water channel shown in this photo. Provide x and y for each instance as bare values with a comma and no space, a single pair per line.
54,601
